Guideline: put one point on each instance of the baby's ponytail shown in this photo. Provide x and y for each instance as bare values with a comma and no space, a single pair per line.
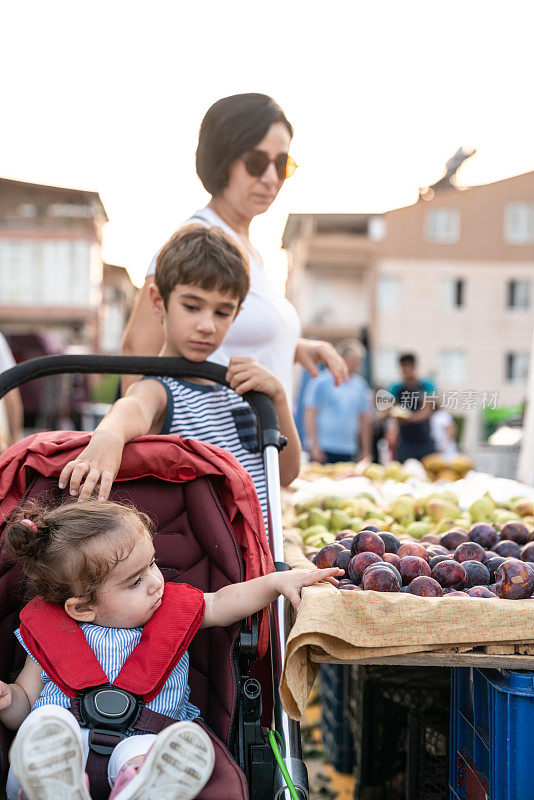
26,537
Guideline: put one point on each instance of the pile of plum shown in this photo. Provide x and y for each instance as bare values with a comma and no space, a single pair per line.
480,562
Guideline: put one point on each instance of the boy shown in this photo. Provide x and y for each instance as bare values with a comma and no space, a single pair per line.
201,281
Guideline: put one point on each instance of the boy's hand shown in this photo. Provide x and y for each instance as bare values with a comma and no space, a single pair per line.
245,374
6,695
100,461
290,583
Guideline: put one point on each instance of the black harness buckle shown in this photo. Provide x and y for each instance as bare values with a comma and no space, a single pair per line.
108,712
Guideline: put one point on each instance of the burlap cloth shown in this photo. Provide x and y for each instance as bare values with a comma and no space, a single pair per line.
357,625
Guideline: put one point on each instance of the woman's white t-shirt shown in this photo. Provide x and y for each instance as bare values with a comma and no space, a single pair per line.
268,326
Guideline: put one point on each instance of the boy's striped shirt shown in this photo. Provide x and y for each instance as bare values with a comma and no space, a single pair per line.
216,415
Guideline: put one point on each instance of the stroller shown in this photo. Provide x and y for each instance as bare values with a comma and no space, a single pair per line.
209,533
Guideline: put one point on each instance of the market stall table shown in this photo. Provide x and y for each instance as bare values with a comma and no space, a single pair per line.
334,626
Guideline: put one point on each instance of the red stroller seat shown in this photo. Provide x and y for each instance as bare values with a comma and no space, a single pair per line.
195,543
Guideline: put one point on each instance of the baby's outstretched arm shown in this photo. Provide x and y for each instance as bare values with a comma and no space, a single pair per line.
17,699
240,600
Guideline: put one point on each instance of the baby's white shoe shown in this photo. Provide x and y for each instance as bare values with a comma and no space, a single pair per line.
47,756
177,767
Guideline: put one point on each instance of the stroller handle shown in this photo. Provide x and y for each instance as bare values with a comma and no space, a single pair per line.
144,365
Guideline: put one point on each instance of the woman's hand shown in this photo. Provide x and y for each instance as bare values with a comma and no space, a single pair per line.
311,352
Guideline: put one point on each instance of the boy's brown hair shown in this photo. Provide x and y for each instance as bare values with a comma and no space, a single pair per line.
204,257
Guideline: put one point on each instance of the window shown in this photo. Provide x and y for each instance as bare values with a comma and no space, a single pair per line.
517,367
518,294
442,225
453,293
519,223
323,302
386,368
376,229
388,293
452,367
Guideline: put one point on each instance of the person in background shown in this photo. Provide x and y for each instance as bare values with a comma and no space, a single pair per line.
443,429
11,410
338,419
413,434
243,161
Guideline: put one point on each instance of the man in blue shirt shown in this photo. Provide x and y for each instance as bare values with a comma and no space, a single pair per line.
338,418
414,434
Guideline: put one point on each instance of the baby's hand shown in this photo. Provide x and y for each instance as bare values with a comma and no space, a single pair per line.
245,374
6,695
291,583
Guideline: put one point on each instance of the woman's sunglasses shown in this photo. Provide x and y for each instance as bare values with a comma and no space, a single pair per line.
257,161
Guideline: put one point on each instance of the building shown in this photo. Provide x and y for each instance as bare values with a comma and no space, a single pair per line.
118,294
50,261
450,278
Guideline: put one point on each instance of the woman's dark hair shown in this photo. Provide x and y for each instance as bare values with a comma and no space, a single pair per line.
232,126
68,551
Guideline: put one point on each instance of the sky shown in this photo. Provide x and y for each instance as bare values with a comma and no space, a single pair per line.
108,95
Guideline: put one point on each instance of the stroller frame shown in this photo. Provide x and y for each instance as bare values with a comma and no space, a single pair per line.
253,751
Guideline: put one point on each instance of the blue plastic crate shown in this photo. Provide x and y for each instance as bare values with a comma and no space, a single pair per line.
492,729
335,729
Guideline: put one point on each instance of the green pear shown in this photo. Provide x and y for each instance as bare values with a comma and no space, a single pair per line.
502,515
333,502
375,472
396,528
310,505
316,530
450,497
426,500
362,506
419,508
483,509
439,509
367,495
524,507
444,525
395,471
463,521
356,524
339,520
418,529
402,509
319,517
319,541
376,514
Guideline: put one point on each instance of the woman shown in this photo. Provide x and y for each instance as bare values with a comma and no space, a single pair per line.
242,160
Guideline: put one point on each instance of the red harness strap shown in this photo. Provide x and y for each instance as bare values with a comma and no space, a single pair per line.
57,642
